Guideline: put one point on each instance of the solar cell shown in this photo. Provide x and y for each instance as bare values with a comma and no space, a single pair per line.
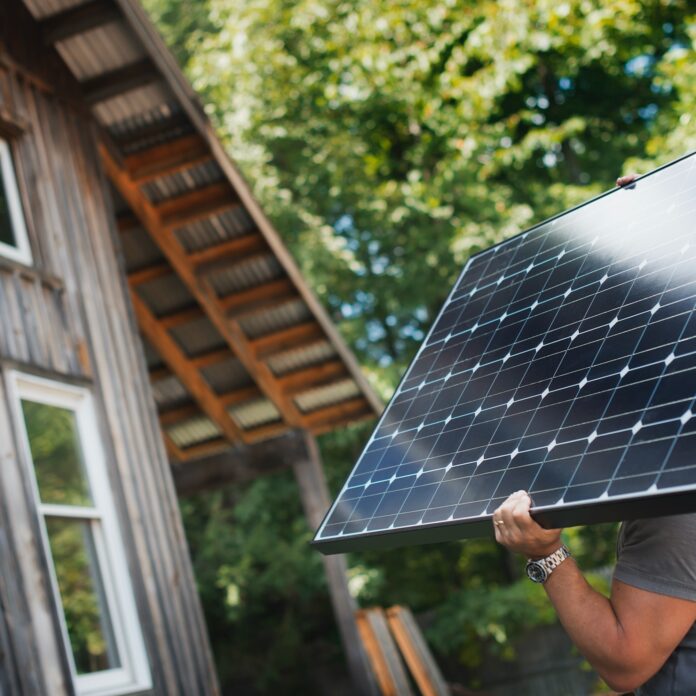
564,363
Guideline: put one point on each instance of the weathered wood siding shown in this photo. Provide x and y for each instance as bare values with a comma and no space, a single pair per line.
69,318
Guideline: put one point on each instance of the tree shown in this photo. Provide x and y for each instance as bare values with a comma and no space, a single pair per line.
389,141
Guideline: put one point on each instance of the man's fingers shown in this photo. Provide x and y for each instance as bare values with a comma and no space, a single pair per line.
626,179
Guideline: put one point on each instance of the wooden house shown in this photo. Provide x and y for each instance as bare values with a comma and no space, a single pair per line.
151,323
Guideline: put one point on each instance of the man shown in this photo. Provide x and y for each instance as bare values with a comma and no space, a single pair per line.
643,637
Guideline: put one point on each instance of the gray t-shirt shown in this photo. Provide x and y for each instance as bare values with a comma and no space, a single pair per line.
659,555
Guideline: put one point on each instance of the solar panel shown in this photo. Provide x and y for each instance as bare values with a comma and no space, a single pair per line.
564,363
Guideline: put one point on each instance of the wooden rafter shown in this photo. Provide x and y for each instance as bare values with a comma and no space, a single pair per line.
286,339
202,291
181,366
194,205
243,299
115,82
145,275
76,20
299,381
239,248
167,158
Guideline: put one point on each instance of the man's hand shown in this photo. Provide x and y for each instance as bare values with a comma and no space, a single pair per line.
516,530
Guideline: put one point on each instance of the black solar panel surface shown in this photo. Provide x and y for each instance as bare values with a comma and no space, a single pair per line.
563,363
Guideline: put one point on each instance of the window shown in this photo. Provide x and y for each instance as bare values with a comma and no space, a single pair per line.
81,537
14,243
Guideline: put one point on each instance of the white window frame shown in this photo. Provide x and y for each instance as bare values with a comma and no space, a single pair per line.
22,251
134,673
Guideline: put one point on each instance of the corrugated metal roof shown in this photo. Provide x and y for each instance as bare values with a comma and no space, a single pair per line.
126,106
226,376
45,8
326,396
101,50
193,431
291,360
175,184
139,251
165,295
215,229
160,112
197,337
275,319
255,413
245,274
168,392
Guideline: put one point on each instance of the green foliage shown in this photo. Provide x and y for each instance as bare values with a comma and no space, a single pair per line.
388,142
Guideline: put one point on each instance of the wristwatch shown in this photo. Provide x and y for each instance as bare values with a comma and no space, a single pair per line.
539,571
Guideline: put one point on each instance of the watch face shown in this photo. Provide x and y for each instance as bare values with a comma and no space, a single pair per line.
536,572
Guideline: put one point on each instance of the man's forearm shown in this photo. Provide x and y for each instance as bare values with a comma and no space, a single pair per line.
589,619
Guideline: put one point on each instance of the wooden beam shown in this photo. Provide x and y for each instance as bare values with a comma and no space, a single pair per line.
201,290
338,414
240,395
188,375
195,205
179,413
239,301
211,357
329,426
181,316
298,381
145,275
229,251
78,19
119,81
314,495
167,158
280,341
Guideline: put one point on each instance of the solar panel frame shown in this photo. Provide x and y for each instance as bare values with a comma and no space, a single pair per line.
630,505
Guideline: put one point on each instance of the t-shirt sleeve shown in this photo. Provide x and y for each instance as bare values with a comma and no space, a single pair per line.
659,555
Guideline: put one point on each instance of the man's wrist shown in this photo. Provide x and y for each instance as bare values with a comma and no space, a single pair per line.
546,551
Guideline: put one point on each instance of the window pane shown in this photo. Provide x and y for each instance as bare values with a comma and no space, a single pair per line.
82,594
57,454
6,233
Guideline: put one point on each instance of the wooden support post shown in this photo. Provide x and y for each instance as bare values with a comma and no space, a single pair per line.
314,495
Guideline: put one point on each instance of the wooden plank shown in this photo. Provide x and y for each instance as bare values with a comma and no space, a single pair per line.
339,412
179,413
230,251
378,662
119,81
416,653
239,396
181,316
77,20
285,339
258,294
230,330
211,357
298,381
195,205
329,426
145,275
167,158
181,366
314,495
385,648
